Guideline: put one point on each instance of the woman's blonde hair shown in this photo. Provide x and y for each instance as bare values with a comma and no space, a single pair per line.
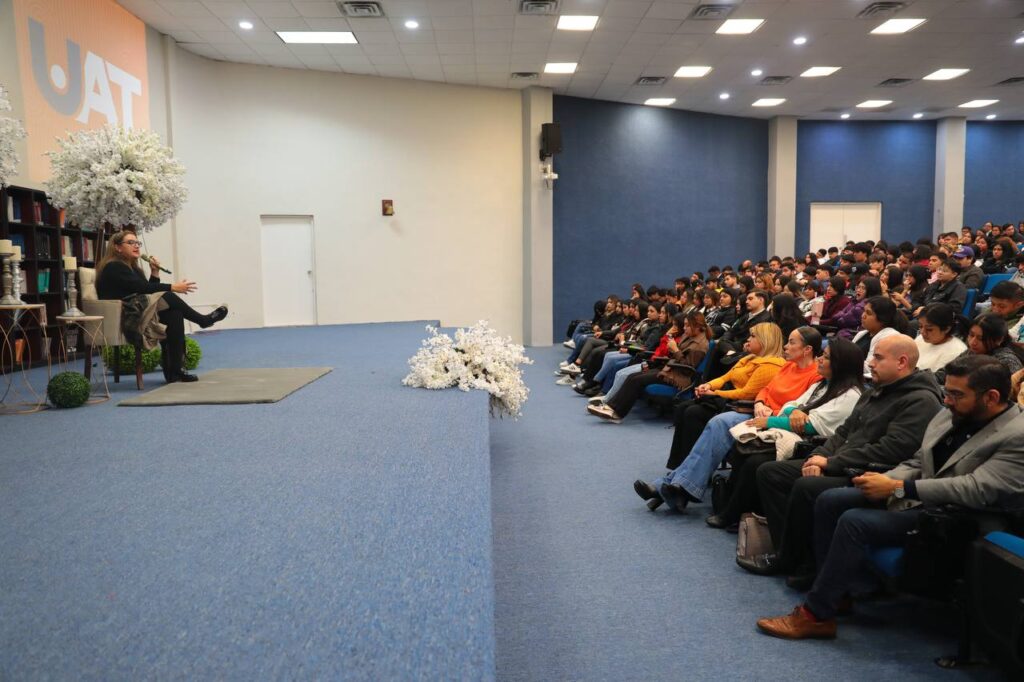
769,335
111,253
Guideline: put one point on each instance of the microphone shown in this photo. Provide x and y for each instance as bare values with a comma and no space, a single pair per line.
159,267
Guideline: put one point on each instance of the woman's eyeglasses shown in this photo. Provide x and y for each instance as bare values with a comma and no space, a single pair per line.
131,242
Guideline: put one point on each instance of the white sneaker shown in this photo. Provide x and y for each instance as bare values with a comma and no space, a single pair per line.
573,369
566,381
596,400
564,363
605,412
569,343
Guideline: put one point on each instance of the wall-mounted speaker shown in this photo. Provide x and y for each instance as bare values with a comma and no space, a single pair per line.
550,140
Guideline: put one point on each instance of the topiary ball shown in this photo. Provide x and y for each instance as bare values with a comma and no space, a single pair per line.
68,389
150,359
193,353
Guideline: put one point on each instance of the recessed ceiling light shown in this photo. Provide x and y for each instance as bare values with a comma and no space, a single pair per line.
576,23
769,102
799,40
897,26
318,37
412,23
739,26
990,117
724,95
819,71
873,103
693,71
844,116
945,74
660,101
756,72
978,103
245,25
919,115
560,67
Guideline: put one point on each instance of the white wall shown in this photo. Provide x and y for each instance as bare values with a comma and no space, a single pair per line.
259,140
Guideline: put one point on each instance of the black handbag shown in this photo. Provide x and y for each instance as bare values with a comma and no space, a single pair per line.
935,555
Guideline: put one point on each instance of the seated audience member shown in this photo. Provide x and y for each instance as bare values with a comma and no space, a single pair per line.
971,276
836,300
1018,275
594,348
946,288
606,327
887,424
1007,301
759,365
1001,259
988,335
637,292
626,313
818,412
972,455
812,302
725,316
848,321
689,349
727,349
689,481
938,339
980,249
915,285
786,313
880,320
602,366
587,328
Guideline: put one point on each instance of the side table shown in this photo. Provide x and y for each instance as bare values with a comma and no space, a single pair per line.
91,327
12,400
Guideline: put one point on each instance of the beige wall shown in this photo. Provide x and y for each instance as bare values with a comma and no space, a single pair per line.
259,140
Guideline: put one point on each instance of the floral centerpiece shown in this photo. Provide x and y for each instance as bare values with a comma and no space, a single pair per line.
11,131
117,176
476,358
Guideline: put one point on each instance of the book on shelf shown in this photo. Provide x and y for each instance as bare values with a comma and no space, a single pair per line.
43,280
19,240
37,213
65,246
23,282
42,247
61,218
89,250
13,210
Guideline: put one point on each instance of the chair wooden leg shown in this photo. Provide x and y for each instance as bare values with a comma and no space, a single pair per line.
138,365
117,364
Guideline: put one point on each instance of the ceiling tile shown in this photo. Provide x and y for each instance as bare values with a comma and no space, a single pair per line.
328,24
415,37
452,23
376,38
273,10
456,48
219,37
286,24
451,8
210,23
504,21
184,9
453,37
626,8
418,49
382,50
230,10
318,9
387,60
370,25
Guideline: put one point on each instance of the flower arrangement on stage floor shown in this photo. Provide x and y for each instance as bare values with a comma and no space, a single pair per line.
11,131
117,176
476,358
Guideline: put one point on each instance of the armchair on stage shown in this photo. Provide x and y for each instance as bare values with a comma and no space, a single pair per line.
111,312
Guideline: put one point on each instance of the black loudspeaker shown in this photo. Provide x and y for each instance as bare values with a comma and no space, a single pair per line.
550,140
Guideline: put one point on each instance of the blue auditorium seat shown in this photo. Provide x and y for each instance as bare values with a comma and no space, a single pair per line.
972,298
888,560
993,280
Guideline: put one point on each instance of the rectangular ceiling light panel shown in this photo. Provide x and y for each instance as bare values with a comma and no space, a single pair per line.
769,102
874,103
978,103
737,27
693,71
576,23
660,101
819,71
894,26
318,37
945,74
560,67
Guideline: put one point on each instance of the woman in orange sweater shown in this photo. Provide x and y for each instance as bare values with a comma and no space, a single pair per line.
688,481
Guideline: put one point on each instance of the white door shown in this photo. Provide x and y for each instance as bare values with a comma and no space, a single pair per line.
289,273
834,224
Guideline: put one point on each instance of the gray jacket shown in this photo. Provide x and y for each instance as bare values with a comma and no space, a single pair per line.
986,473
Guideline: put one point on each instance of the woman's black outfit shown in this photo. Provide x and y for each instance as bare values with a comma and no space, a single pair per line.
691,417
118,280
744,497
991,266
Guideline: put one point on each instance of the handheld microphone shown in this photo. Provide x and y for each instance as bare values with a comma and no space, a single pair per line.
159,267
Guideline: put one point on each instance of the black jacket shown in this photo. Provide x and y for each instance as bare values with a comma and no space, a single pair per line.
118,280
740,330
886,425
954,293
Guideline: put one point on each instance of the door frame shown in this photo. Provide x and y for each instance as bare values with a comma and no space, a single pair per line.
312,245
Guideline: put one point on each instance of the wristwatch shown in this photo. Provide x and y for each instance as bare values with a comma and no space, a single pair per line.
899,493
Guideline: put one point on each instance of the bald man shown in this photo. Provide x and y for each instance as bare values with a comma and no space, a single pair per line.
885,428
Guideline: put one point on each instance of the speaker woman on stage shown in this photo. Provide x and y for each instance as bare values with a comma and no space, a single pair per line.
119,276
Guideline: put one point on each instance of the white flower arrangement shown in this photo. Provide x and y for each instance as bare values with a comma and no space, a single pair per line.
476,358
117,176
11,131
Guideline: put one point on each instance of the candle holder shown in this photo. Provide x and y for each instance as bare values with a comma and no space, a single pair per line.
72,309
8,298
16,281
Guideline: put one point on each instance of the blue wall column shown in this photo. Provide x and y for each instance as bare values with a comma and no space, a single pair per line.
950,149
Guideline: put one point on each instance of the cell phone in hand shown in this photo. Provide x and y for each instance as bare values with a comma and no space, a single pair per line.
853,472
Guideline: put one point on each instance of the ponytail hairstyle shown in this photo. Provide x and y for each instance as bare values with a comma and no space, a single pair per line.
995,335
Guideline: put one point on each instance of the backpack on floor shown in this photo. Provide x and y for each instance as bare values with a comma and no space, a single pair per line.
754,538
722,484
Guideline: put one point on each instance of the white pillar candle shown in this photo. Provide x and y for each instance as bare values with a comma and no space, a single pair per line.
17,253
6,247
70,263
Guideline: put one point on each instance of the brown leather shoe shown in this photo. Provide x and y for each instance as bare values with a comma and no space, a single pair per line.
798,625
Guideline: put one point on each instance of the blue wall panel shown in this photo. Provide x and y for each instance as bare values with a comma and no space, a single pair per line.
649,194
888,162
994,183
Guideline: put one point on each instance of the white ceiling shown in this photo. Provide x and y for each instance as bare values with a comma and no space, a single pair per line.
481,42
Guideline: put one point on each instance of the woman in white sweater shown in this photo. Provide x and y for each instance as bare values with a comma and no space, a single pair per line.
938,340
881,318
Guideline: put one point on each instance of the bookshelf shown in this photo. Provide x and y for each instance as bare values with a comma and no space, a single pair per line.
28,219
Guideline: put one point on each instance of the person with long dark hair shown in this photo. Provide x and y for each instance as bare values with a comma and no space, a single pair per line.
939,339
119,275
1001,258
818,412
989,336
836,300
881,318
915,285
786,313
848,321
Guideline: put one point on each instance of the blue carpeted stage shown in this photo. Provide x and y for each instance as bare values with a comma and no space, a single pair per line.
346,533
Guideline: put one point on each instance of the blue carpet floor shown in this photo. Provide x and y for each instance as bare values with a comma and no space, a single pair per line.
342,533
592,586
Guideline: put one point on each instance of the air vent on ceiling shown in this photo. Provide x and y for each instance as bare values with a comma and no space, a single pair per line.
538,7
361,9
776,80
1016,80
877,10
525,76
649,80
894,82
715,11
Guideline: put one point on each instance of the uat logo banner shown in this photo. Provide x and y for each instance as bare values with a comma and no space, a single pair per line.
82,66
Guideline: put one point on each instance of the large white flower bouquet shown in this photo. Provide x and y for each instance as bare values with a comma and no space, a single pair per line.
476,358
10,132
117,176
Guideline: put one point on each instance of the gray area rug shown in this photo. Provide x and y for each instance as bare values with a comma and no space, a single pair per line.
232,386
